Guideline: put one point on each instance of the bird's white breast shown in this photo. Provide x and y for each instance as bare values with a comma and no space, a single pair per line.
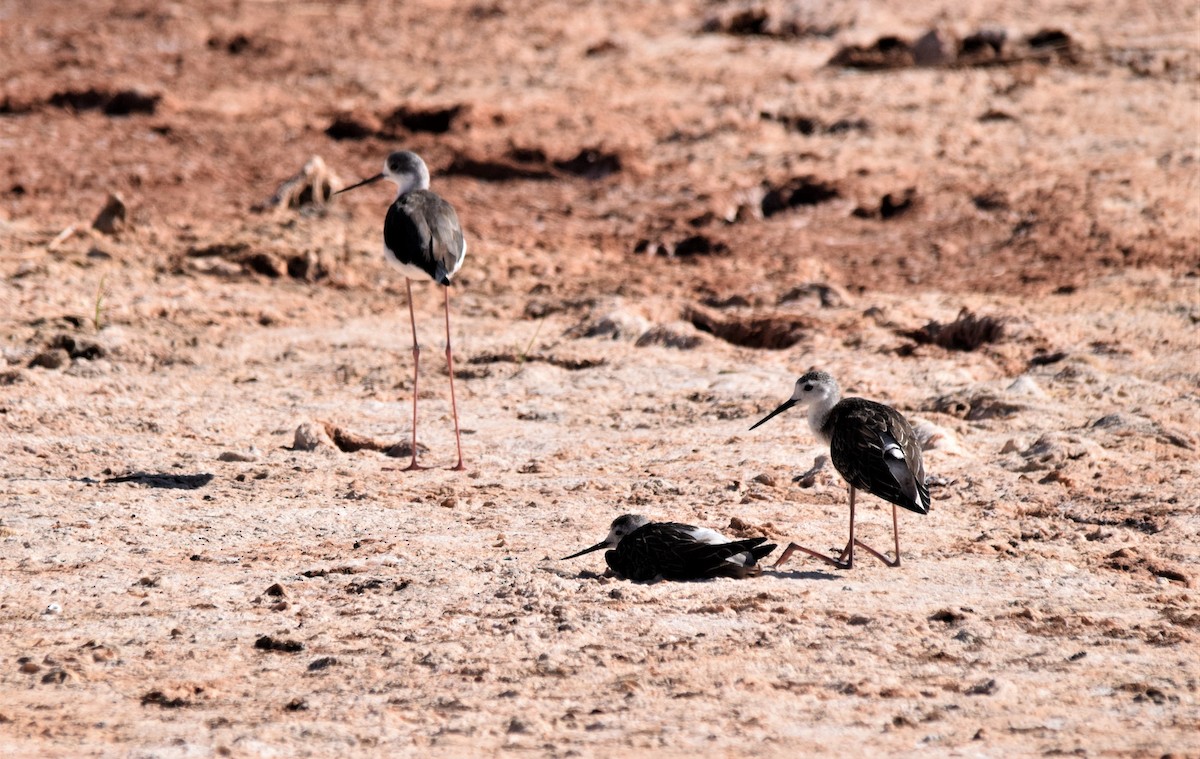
408,270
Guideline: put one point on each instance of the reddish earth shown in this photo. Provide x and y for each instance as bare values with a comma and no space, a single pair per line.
672,210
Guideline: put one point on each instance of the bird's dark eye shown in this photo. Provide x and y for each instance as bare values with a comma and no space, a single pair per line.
808,388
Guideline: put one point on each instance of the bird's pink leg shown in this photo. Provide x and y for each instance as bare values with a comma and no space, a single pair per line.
416,351
793,547
896,532
450,369
845,559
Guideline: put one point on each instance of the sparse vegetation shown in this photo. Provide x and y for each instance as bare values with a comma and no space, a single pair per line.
966,333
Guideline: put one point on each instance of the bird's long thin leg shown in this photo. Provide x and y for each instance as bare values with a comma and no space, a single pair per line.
845,559
896,532
450,368
416,351
847,556
793,547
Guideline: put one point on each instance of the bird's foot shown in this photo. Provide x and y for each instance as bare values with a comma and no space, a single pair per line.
893,563
414,467
840,562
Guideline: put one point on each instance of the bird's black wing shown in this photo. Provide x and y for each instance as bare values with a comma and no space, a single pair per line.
668,550
422,230
860,430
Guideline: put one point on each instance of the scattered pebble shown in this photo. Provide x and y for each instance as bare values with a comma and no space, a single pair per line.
111,218
617,324
55,358
249,456
984,688
323,663
678,335
267,643
311,436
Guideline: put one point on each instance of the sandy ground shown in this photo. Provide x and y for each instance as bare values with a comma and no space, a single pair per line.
669,219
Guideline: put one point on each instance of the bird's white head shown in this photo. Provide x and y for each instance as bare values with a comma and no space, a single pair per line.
407,170
621,527
403,167
817,390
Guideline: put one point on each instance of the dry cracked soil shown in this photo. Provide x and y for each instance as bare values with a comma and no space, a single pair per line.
984,214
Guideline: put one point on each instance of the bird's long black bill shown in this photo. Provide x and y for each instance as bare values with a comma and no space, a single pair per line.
786,405
369,180
597,547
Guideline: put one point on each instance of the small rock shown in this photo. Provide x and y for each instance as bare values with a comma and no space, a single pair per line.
765,479
30,667
323,663
158,698
985,688
55,358
809,478
111,218
267,643
78,347
931,49
311,436
678,335
516,725
617,324
275,590
819,293
949,616
1026,386
1054,449
248,456
56,676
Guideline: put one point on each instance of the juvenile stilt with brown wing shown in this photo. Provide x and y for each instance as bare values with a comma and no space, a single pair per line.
873,448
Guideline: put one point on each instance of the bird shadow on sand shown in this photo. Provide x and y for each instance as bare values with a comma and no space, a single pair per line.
161,480
797,574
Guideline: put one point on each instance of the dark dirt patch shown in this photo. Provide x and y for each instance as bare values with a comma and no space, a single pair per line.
767,332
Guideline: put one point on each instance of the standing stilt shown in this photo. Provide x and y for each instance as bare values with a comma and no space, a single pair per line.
450,369
422,237
873,447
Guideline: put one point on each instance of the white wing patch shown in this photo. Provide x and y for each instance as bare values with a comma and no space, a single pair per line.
893,455
705,535
740,559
